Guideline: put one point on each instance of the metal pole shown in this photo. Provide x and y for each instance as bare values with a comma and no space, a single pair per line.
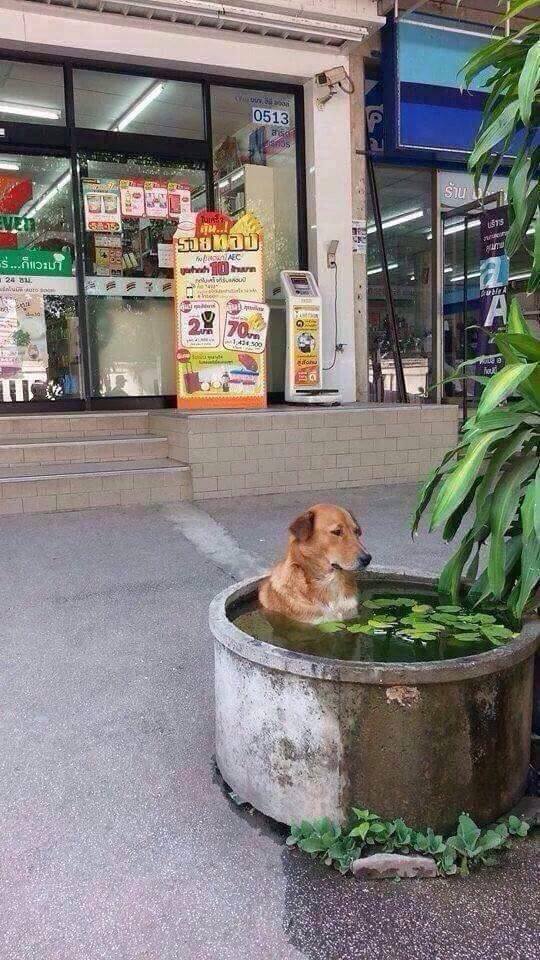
392,322
465,332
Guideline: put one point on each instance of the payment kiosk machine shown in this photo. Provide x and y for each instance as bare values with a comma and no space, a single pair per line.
303,374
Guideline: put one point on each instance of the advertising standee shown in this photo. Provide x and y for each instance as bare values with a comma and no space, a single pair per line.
221,317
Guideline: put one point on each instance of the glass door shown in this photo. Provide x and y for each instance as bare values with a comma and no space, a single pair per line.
461,299
39,328
132,206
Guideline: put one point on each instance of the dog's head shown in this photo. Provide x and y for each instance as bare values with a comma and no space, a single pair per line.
330,536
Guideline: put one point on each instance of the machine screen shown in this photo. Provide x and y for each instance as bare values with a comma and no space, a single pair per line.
301,285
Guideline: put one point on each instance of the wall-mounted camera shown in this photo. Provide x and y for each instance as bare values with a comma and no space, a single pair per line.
334,80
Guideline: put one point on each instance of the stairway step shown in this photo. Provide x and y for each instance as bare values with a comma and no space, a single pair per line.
48,488
38,450
63,425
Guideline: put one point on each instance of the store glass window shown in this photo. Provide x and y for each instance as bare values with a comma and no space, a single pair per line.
254,140
132,207
39,334
31,93
135,104
405,202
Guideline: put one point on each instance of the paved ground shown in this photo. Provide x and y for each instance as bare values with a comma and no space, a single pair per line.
116,838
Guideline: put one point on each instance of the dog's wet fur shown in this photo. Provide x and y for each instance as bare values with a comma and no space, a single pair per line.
317,580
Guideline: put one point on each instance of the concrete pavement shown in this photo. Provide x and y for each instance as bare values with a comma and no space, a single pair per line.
117,840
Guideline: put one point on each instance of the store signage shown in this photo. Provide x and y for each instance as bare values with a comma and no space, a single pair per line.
456,188
11,222
221,317
29,262
264,116
43,283
107,202
494,270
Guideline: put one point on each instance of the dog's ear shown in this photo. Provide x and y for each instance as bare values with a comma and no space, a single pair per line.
302,527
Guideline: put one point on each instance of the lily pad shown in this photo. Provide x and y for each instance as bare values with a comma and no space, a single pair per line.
331,626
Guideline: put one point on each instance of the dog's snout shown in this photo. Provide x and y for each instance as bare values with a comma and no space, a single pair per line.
365,559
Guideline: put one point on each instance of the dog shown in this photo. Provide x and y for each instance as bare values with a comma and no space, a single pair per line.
317,579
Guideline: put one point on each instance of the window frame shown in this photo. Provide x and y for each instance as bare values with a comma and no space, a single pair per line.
69,141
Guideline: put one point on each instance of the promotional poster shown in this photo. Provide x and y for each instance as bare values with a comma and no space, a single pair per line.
494,270
221,317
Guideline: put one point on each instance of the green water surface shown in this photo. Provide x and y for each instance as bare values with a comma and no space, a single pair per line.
390,628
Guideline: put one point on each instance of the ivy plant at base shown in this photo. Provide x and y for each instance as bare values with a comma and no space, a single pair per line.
367,833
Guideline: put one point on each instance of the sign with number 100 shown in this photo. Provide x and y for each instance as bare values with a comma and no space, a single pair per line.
267,117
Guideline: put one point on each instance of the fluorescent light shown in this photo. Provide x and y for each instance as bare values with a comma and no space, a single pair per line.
412,277
48,195
9,165
139,106
448,269
460,227
470,276
237,176
395,221
223,183
391,266
27,110
520,276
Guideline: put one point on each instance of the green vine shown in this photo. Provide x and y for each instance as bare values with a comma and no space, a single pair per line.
367,833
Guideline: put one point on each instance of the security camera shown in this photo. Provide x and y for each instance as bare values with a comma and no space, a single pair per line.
334,79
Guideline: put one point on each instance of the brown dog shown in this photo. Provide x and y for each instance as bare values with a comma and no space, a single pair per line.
316,581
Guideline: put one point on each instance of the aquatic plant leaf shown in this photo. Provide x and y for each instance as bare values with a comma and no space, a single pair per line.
331,626
360,628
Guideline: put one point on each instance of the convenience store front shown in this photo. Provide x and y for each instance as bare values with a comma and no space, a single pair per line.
97,167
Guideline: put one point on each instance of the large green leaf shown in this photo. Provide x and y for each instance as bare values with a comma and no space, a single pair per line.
504,505
527,346
516,322
501,453
502,384
529,81
537,504
530,557
459,481
500,128
450,578
481,590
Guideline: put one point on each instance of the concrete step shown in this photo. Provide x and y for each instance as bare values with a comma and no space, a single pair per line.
63,425
90,449
47,488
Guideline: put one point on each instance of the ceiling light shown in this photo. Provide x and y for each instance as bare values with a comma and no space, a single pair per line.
520,276
139,106
395,221
470,276
9,165
448,269
412,277
391,266
460,227
26,110
48,195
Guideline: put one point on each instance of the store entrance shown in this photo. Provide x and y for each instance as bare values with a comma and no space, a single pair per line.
131,208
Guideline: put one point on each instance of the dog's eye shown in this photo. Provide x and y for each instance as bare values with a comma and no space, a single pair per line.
358,532
338,532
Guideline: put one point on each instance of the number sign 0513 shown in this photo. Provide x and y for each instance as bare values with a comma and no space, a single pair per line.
264,116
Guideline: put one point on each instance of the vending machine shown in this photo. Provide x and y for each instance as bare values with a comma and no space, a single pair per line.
304,325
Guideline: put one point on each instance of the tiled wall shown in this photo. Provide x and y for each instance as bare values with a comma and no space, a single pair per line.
278,452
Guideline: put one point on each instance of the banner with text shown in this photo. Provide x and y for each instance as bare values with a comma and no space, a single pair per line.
494,269
221,317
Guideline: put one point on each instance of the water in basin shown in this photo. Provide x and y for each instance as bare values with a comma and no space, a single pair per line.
389,628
